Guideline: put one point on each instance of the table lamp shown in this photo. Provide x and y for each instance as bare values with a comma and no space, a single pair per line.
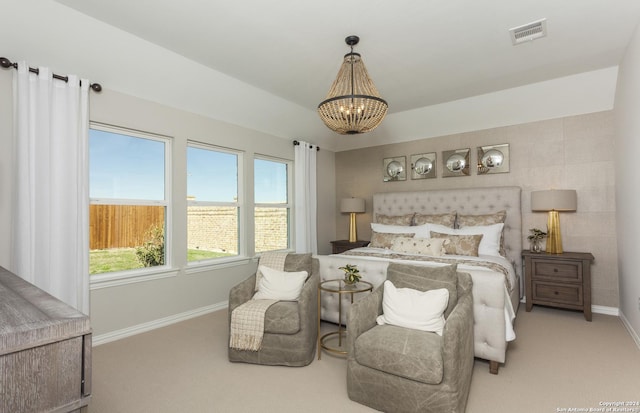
352,206
554,201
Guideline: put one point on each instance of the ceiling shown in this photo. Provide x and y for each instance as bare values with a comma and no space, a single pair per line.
418,52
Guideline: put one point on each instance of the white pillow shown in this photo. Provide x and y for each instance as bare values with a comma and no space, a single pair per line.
424,246
419,310
420,231
490,242
279,285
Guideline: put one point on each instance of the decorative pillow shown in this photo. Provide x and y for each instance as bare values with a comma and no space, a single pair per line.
431,246
448,219
394,219
460,244
420,231
385,239
490,243
487,219
409,308
279,285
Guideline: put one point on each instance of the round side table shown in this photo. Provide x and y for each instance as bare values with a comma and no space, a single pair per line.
338,286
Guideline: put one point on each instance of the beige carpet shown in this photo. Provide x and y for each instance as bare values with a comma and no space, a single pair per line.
559,360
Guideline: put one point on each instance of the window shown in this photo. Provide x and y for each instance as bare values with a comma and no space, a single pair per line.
272,209
128,187
213,207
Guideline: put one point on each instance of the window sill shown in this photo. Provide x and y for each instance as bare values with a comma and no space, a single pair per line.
99,281
207,265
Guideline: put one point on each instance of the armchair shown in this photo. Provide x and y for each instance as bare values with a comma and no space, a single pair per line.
398,369
290,327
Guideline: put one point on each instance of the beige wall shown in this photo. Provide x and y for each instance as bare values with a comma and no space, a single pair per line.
567,153
627,187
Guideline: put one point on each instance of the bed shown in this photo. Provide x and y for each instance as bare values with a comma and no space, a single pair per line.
497,278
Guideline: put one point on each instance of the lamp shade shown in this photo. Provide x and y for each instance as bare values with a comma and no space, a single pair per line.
554,200
352,205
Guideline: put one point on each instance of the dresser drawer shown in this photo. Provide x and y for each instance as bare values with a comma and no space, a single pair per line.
557,293
557,269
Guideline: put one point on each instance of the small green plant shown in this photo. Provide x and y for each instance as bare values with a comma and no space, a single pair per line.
536,234
351,273
151,253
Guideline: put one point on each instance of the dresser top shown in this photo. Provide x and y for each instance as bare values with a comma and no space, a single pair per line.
565,255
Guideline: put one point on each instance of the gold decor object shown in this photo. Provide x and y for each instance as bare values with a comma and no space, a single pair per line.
353,104
554,201
352,206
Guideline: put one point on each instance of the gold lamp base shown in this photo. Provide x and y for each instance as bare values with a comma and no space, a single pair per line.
353,235
554,238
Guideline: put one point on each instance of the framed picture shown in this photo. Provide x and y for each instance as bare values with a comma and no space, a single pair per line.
423,165
394,169
455,163
493,159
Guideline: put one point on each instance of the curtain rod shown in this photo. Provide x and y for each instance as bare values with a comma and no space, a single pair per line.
296,143
6,63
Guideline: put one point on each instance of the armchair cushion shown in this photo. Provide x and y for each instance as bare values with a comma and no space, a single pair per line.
408,353
282,317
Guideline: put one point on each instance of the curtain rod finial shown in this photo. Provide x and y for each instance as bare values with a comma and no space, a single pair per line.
6,63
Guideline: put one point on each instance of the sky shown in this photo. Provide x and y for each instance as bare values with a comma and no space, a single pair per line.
127,167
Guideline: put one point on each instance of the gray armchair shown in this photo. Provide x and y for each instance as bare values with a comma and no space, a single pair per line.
290,327
397,369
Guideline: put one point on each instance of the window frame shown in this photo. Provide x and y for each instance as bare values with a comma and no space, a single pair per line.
288,205
109,279
239,204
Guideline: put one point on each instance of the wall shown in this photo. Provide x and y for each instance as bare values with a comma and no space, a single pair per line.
573,152
627,106
123,308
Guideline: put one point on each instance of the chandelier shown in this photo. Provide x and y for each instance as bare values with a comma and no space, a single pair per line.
353,104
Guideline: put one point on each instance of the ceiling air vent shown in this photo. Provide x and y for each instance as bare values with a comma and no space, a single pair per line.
528,32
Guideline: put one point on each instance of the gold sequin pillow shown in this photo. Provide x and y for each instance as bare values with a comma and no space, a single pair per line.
460,244
423,246
385,239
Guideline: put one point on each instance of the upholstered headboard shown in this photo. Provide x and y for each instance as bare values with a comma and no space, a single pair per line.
471,201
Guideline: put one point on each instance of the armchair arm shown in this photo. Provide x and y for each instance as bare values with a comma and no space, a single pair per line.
362,317
457,337
308,304
241,293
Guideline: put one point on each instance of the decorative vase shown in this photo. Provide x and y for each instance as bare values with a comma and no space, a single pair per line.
535,246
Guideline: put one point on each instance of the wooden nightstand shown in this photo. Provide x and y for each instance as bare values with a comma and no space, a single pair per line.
559,280
344,245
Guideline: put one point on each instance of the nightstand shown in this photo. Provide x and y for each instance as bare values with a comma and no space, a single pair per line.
344,245
559,280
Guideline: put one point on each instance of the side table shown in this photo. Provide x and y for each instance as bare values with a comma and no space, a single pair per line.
344,245
338,286
559,280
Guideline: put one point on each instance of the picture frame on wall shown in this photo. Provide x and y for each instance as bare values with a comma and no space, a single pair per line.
456,163
423,165
394,169
493,159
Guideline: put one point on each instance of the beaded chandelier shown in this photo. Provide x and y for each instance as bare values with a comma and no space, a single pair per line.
353,104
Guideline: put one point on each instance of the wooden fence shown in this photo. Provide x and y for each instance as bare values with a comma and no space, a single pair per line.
122,226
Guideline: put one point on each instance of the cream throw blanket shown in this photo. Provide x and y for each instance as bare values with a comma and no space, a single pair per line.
247,320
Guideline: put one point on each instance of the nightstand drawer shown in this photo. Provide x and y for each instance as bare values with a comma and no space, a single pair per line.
558,293
557,269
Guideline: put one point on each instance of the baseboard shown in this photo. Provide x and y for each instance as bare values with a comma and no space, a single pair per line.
632,332
152,325
601,309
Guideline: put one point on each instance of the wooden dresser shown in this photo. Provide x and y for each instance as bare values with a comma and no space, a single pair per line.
45,351
559,280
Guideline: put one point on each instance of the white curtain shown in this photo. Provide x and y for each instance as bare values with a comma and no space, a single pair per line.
305,198
50,224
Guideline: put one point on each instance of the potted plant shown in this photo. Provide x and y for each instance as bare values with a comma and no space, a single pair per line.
351,274
536,235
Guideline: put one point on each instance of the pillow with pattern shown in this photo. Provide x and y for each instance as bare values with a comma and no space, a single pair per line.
448,219
460,244
385,239
499,217
404,220
424,246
